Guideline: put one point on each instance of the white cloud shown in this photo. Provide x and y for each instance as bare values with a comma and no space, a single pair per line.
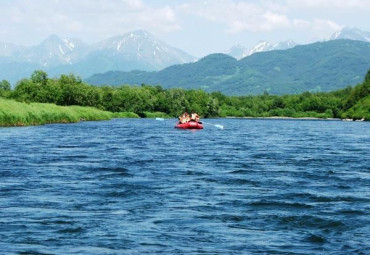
188,23
321,28
317,17
134,4
274,20
329,5
83,18
239,16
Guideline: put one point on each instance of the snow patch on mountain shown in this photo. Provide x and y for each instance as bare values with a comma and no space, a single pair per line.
260,47
69,44
239,51
61,50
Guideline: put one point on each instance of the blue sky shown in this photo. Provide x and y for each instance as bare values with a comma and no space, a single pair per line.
195,26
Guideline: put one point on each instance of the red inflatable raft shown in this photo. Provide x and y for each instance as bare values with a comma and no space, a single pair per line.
190,125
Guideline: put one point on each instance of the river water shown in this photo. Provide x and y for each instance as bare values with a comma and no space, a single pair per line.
139,186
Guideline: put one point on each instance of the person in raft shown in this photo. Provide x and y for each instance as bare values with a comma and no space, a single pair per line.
194,117
186,118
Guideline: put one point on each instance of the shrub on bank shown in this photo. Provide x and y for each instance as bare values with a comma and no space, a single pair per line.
361,110
125,115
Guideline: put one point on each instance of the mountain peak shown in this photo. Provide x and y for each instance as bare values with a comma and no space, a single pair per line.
52,38
352,34
140,32
140,45
133,35
261,46
237,51
53,51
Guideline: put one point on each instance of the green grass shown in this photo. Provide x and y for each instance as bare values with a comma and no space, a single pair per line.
13,113
125,115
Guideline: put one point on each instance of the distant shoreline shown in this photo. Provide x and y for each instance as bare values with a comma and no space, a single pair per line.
286,118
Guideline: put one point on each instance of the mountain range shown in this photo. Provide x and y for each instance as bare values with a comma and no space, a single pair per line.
135,50
240,51
321,66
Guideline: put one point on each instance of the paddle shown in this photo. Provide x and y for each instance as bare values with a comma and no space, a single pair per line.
161,119
216,125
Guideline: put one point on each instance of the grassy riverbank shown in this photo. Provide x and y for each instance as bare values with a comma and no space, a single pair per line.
13,113
44,97
154,101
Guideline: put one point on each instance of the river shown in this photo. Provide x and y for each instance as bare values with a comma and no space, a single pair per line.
140,186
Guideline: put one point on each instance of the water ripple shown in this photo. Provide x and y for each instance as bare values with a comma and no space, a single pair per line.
142,187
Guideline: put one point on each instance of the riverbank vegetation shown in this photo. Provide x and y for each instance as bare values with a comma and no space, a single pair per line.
153,101
14,113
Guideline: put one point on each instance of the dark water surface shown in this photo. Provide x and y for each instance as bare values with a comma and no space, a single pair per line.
142,187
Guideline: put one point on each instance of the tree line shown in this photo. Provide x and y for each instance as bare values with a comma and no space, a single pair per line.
71,90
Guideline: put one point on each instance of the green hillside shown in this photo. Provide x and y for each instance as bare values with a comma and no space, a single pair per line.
317,67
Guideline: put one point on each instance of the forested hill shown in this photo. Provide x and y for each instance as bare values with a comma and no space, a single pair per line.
322,66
